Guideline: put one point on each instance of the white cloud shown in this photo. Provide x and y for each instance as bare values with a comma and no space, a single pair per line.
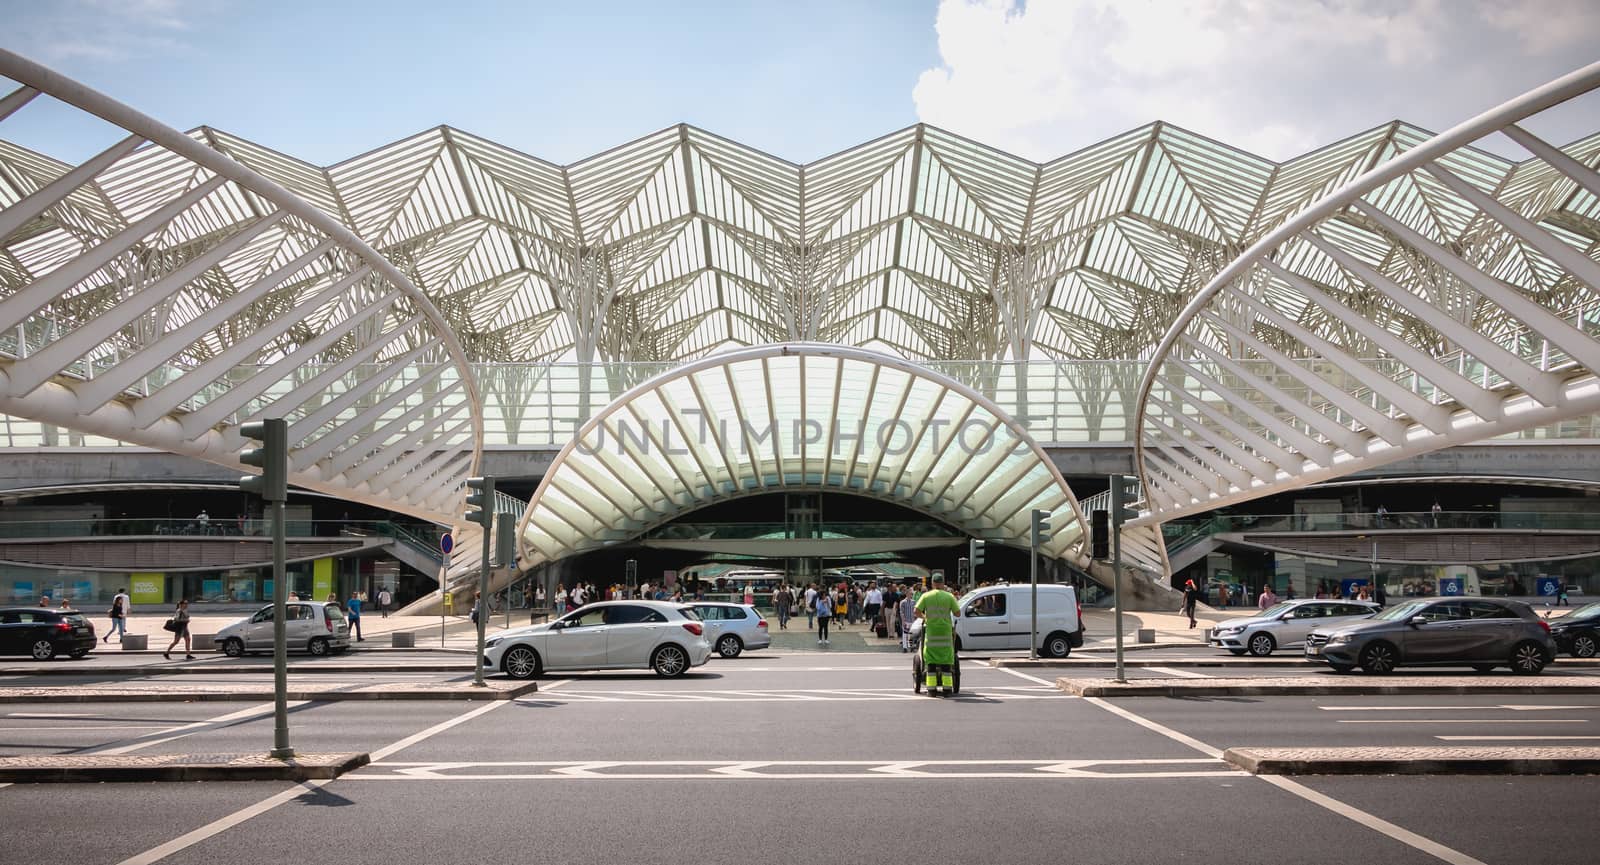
104,30
1276,78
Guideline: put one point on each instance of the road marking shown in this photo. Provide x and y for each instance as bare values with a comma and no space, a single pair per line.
1350,812
790,695
1516,738
58,728
1513,708
54,715
190,729
223,824
1465,721
1022,675
1180,674
788,770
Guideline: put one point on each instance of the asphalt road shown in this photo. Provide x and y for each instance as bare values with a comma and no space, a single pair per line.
796,758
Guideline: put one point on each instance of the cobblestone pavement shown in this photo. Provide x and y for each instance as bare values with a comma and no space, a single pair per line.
175,767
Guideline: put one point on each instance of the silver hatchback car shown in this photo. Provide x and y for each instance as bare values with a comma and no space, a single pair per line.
732,628
1482,633
1285,625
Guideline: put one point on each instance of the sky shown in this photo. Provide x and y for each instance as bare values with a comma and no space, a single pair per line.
328,81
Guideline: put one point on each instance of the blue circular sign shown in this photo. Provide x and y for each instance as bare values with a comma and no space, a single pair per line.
446,543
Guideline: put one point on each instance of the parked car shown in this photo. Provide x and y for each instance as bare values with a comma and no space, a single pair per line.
1578,632
1285,625
732,628
310,626
611,635
999,617
44,633
1482,633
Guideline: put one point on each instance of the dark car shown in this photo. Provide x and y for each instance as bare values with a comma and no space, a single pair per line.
44,633
1482,633
1578,632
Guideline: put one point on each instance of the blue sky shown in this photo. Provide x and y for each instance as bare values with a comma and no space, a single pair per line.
327,81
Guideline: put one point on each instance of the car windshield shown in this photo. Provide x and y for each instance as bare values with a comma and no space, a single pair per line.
1276,609
1401,611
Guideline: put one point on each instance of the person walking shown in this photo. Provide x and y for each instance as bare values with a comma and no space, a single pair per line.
938,611
179,626
809,601
384,600
871,607
824,608
1268,598
1191,596
782,600
353,611
1561,594
119,617
908,612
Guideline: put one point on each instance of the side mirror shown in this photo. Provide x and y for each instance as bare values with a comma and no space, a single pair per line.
1415,621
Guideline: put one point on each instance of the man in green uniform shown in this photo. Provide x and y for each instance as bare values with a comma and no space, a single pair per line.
938,610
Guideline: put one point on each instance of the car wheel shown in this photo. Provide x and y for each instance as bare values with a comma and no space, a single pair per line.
1262,645
318,646
916,673
1483,668
1378,658
1527,659
669,661
1584,645
520,662
729,646
958,643
1341,668
1057,646
233,647
43,650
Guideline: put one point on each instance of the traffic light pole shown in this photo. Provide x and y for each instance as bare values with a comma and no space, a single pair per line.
1033,603
280,639
1116,564
483,597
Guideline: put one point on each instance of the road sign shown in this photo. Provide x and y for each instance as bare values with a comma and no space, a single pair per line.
446,543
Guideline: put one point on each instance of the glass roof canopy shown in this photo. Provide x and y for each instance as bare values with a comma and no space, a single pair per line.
797,416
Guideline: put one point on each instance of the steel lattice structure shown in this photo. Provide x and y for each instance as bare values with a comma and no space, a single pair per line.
161,293
1445,297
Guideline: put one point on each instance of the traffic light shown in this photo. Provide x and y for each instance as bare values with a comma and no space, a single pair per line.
963,571
272,457
1041,527
505,538
975,553
631,573
1124,492
1099,534
480,504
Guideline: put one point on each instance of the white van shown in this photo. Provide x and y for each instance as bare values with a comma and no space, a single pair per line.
998,617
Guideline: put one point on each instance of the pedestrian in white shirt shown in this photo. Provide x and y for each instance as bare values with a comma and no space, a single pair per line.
871,606
811,605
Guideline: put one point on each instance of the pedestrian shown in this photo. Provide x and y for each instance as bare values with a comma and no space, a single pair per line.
1191,596
384,600
1561,594
782,600
749,594
908,612
353,610
1268,598
119,617
809,601
179,626
938,611
477,601
1436,510
203,520
1222,595
825,613
870,608
841,604
1383,516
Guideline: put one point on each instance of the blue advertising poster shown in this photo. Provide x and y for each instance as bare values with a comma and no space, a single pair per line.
1549,587
211,590
1348,588
22,592
82,590
1452,586
266,590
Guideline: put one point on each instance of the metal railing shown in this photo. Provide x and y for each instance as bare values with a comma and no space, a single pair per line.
219,527
819,531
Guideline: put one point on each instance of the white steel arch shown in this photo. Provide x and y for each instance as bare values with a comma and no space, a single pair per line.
162,293
1442,298
797,416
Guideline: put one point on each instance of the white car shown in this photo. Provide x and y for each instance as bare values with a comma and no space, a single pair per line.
309,626
732,628
1285,625
611,635
999,617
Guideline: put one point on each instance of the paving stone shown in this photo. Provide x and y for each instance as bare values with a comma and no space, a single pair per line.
1330,684
494,689
1419,760
86,768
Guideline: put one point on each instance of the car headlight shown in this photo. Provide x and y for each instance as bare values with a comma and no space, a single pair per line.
1227,632
1339,639
489,644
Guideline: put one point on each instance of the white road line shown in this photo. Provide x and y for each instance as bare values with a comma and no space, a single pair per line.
1464,721
77,729
1517,738
1021,675
1176,673
54,715
216,827
1350,812
1512,708
189,729
775,770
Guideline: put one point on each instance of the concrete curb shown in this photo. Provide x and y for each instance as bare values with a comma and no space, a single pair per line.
1416,761
92,768
153,695
236,669
1296,687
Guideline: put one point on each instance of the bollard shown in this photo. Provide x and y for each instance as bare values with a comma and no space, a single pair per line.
203,642
1205,635
1147,635
403,640
135,642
